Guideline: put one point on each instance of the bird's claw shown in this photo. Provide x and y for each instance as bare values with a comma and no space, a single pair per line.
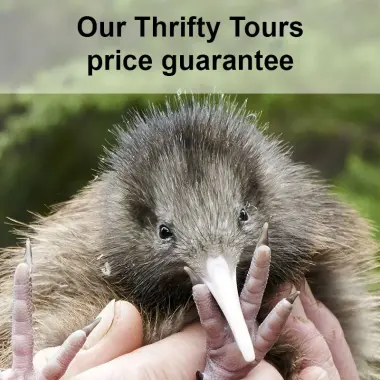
22,333
224,360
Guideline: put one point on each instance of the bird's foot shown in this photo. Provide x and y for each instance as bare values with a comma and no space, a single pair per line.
22,333
224,360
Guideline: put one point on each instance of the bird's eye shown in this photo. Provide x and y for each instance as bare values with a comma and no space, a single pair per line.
164,232
243,216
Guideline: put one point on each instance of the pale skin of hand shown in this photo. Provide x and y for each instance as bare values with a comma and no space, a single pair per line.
109,354
222,350
331,358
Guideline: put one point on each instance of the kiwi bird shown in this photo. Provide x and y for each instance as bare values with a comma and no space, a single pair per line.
190,185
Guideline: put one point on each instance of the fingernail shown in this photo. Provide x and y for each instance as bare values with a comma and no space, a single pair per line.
107,315
121,309
317,373
298,310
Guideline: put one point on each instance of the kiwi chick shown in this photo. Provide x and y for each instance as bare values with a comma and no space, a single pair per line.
184,184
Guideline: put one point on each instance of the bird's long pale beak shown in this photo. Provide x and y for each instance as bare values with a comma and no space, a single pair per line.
221,281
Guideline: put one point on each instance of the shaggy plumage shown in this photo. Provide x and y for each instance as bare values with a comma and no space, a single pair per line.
192,166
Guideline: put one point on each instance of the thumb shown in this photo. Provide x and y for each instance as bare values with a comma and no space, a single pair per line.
178,356
118,332
312,373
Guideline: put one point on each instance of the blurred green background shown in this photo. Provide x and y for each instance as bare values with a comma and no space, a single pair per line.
50,144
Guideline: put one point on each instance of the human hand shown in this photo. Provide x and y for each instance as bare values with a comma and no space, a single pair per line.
112,349
312,329
319,338
46,361
118,332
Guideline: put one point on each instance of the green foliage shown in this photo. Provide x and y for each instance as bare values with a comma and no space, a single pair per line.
359,185
49,144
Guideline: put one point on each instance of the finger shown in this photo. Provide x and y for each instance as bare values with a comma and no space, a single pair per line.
310,344
177,357
210,316
124,335
271,328
312,373
329,326
254,287
107,316
42,357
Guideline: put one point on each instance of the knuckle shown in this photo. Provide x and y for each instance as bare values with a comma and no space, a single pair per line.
333,331
335,335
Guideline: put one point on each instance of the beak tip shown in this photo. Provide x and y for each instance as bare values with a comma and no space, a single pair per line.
248,355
